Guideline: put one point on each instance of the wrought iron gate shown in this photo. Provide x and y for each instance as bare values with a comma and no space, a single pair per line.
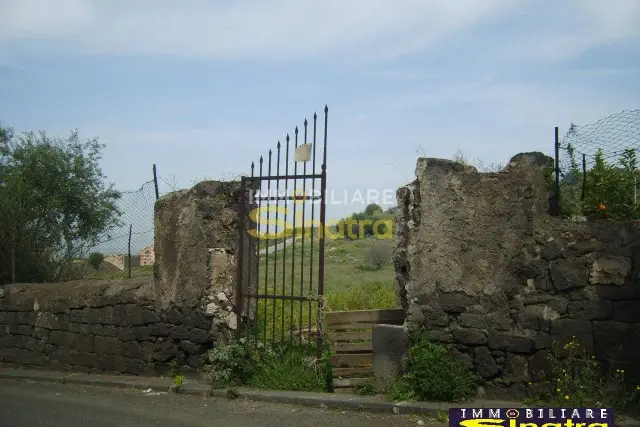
282,242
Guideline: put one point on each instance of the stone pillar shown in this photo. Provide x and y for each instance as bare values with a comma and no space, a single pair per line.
196,248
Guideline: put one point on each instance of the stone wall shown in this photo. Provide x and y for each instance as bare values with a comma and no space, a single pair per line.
481,265
98,326
137,326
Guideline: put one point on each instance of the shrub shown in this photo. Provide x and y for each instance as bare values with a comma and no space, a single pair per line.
582,381
610,190
95,259
293,368
231,364
380,254
273,367
432,374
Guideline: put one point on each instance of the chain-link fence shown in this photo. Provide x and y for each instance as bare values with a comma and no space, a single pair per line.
128,250
135,234
596,168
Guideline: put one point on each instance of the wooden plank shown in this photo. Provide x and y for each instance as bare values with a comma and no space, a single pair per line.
351,382
350,347
367,316
361,325
352,359
347,372
333,336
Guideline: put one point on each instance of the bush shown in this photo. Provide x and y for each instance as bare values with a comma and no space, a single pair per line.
95,259
380,254
231,364
250,363
582,381
432,374
610,190
288,368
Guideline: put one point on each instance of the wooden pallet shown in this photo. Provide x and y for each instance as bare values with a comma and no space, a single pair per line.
349,334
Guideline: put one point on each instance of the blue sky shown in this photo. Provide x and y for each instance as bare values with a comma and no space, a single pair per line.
202,88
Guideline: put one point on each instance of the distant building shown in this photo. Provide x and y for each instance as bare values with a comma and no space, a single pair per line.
121,261
147,255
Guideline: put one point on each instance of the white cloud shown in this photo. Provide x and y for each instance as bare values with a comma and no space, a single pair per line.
42,19
277,29
570,28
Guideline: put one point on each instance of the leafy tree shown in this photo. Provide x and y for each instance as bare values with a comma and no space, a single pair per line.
372,209
53,203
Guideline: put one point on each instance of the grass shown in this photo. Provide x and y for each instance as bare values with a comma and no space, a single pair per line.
289,368
347,285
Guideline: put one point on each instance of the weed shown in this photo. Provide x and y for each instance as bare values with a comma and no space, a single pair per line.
231,364
366,389
328,369
178,384
174,369
273,367
582,381
432,374
288,368
442,417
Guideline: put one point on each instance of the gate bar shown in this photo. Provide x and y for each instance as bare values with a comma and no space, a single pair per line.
321,241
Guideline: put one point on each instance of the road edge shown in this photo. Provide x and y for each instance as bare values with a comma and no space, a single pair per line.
373,404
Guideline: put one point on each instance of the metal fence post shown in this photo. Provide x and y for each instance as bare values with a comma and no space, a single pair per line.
129,250
555,209
155,181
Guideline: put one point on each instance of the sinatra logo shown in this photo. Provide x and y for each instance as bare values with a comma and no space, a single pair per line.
530,417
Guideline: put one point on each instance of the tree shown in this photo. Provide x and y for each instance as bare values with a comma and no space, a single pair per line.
372,209
53,203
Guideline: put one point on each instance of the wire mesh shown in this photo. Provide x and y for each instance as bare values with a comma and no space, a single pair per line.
583,153
134,235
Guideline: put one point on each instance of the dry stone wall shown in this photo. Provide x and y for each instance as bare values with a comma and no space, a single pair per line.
137,326
482,266
98,326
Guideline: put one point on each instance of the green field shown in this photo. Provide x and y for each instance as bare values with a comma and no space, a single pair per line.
350,283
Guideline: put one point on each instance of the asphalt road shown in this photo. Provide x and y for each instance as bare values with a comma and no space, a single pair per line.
30,404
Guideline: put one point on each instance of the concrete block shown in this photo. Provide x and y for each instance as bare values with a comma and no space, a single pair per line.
390,345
